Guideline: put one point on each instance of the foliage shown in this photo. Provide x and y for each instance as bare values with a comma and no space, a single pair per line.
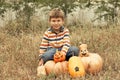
3,7
66,5
108,10
25,9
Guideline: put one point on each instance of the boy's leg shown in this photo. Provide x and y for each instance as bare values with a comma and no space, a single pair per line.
72,51
48,55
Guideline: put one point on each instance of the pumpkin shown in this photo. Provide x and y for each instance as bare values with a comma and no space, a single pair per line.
95,64
49,66
83,50
61,67
84,54
85,61
41,70
75,67
92,61
58,68
58,57
64,66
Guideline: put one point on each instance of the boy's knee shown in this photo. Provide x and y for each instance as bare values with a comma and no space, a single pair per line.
75,50
48,55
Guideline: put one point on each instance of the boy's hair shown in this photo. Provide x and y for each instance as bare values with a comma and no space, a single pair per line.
56,13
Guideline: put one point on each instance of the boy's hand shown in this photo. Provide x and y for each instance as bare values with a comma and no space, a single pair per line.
59,57
40,62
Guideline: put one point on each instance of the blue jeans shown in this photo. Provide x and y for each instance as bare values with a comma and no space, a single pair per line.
48,55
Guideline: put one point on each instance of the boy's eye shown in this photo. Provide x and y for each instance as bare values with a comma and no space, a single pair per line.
58,20
53,20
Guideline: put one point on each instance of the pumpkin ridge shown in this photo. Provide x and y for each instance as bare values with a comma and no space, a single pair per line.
89,66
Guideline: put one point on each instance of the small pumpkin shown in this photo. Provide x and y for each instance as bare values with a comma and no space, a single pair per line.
49,66
58,56
83,50
41,70
75,67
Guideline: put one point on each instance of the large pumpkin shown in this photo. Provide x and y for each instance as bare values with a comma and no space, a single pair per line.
75,67
49,66
95,64
58,68
61,67
85,61
92,61
65,66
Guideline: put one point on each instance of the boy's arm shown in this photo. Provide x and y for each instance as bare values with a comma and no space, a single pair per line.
66,41
44,44
41,51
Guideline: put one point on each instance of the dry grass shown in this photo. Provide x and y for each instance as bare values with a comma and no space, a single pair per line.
18,54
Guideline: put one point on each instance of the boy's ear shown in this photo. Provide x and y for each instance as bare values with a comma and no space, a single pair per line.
49,20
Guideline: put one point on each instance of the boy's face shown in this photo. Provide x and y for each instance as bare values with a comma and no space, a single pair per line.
56,23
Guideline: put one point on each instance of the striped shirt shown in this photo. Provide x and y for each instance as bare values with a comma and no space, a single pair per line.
56,40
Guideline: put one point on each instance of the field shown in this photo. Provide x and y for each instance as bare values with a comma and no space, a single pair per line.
19,53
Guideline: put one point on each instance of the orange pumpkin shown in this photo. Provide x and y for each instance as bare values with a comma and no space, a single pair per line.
92,62
49,66
58,57
75,67
95,64
64,66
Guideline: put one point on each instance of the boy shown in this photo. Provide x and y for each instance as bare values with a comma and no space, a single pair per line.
56,38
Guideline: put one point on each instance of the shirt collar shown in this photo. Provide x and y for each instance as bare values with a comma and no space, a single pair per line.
61,29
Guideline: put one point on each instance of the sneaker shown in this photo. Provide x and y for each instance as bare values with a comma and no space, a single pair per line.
41,71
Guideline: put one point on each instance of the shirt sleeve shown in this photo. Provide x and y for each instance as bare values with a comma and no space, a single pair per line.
44,42
66,41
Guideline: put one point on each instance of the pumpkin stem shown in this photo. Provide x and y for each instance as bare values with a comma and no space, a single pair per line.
76,68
